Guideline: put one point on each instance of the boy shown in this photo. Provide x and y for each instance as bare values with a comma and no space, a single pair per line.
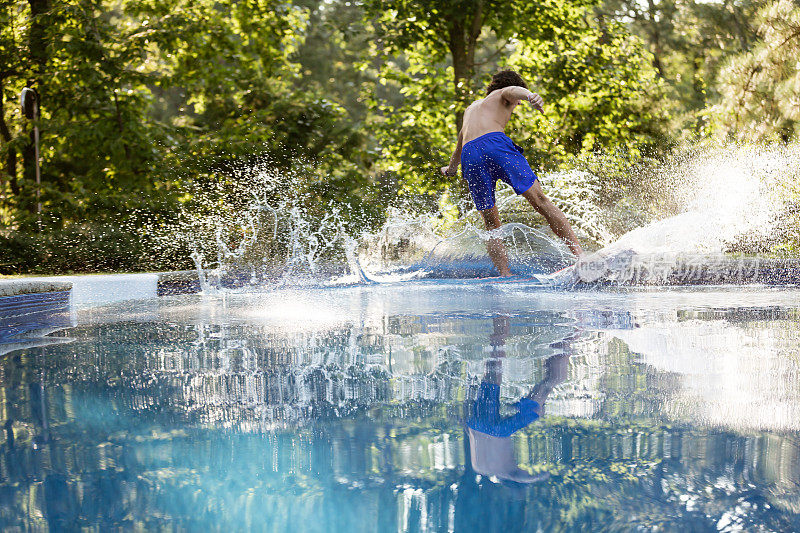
486,154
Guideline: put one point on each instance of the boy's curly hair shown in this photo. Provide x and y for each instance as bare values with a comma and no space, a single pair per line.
505,78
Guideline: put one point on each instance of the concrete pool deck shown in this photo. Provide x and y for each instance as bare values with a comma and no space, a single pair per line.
99,289
20,286
95,289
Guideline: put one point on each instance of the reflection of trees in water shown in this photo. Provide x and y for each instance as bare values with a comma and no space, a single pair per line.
244,372
365,417
597,479
735,368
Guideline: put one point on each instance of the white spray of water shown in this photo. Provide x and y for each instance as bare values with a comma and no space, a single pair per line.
269,238
725,194
721,195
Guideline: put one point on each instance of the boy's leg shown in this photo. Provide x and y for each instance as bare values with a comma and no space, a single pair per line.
497,340
556,372
557,220
497,252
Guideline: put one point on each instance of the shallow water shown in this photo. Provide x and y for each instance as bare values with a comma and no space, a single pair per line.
369,408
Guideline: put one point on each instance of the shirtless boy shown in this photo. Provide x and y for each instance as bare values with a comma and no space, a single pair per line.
486,154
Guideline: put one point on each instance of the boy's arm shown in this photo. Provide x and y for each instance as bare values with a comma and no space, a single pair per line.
452,169
515,95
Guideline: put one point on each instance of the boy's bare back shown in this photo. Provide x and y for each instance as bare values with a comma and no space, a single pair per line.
493,112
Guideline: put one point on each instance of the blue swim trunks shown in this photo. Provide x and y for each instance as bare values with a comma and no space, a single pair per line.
491,157
485,413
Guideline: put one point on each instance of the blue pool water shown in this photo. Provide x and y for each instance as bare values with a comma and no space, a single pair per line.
410,407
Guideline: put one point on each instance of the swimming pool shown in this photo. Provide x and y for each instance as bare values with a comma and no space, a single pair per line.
397,407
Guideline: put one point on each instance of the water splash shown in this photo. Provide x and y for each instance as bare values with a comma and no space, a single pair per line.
262,229
707,201
725,201
723,195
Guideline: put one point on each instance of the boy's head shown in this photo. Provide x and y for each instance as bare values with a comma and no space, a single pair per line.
505,78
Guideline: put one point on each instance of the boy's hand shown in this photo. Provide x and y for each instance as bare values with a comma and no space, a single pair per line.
536,101
447,171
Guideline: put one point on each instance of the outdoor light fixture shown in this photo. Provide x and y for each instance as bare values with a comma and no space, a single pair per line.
29,105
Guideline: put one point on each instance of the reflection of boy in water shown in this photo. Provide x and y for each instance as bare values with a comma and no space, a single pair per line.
491,447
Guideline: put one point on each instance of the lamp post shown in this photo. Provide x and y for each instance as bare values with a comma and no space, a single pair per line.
29,105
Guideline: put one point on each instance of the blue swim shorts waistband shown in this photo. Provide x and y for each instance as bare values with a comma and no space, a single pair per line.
487,136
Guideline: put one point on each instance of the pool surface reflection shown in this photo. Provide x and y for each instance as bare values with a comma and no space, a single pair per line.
412,407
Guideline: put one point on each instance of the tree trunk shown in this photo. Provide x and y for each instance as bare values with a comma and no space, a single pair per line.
37,52
743,29
658,51
464,34
458,50
37,41
698,82
11,156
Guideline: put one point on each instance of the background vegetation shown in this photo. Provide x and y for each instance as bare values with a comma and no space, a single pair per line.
144,101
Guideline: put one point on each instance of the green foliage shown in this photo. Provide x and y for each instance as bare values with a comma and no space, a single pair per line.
760,88
140,98
601,94
600,89
145,101
688,40
416,134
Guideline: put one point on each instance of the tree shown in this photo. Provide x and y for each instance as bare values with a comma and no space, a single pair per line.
760,88
141,98
595,75
601,91
688,40
12,58
456,32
